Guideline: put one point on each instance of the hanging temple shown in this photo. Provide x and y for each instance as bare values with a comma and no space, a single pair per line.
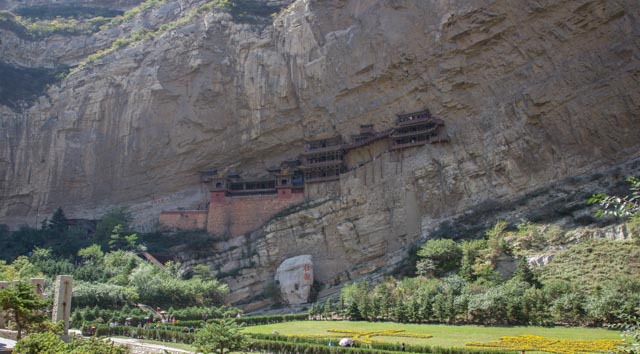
238,206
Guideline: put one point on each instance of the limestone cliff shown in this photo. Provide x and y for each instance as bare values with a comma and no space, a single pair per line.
540,98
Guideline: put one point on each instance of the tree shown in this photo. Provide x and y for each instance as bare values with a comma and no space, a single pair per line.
105,226
627,207
220,336
92,253
471,251
203,271
630,327
444,253
328,308
624,207
524,273
58,222
23,305
122,242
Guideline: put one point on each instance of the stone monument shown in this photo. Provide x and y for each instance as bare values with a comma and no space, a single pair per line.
295,277
62,301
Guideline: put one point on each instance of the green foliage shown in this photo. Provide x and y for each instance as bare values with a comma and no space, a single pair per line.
523,273
104,294
593,262
445,254
532,237
624,207
118,241
630,326
45,262
106,225
155,286
50,343
58,222
40,343
92,253
50,12
471,254
496,240
23,306
220,336
141,35
24,268
203,272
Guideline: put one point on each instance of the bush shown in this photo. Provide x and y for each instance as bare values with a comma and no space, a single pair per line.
50,343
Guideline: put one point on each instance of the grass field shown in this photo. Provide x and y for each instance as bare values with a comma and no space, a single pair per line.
443,335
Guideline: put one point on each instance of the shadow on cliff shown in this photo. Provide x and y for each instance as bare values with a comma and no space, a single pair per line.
20,87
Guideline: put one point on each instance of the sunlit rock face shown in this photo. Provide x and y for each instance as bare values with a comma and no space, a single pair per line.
294,278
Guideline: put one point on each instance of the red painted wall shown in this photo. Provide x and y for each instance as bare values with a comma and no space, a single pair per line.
235,216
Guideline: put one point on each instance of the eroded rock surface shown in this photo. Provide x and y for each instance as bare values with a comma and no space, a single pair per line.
294,277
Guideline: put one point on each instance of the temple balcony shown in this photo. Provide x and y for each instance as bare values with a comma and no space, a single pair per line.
398,146
420,121
405,133
327,163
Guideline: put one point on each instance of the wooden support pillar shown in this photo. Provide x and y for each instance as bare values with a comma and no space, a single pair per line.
62,302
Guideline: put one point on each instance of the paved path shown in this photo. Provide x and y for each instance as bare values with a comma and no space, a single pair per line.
6,343
158,347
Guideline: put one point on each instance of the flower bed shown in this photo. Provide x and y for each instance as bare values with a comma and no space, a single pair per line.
366,337
550,345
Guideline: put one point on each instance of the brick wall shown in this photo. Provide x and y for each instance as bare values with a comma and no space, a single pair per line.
238,215
184,219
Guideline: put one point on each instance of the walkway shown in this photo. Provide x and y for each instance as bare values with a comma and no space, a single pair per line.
6,344
140,347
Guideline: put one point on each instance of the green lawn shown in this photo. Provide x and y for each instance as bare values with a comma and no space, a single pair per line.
443,335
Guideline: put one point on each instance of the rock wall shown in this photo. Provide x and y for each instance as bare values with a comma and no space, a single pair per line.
184,219
539,98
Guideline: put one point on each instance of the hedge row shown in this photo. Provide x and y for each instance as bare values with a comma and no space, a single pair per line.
261,320
247,321
153,334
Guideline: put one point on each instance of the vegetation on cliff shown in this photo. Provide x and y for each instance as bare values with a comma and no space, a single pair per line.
591,282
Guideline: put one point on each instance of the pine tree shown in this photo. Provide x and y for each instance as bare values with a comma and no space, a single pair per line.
328,308
58,222
524,273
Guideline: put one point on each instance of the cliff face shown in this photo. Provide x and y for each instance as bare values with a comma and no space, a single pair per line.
532,92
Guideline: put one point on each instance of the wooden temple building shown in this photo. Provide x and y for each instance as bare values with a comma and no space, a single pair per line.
415,129
238,205
322,159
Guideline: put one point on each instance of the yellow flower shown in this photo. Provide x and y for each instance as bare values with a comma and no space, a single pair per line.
560,346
